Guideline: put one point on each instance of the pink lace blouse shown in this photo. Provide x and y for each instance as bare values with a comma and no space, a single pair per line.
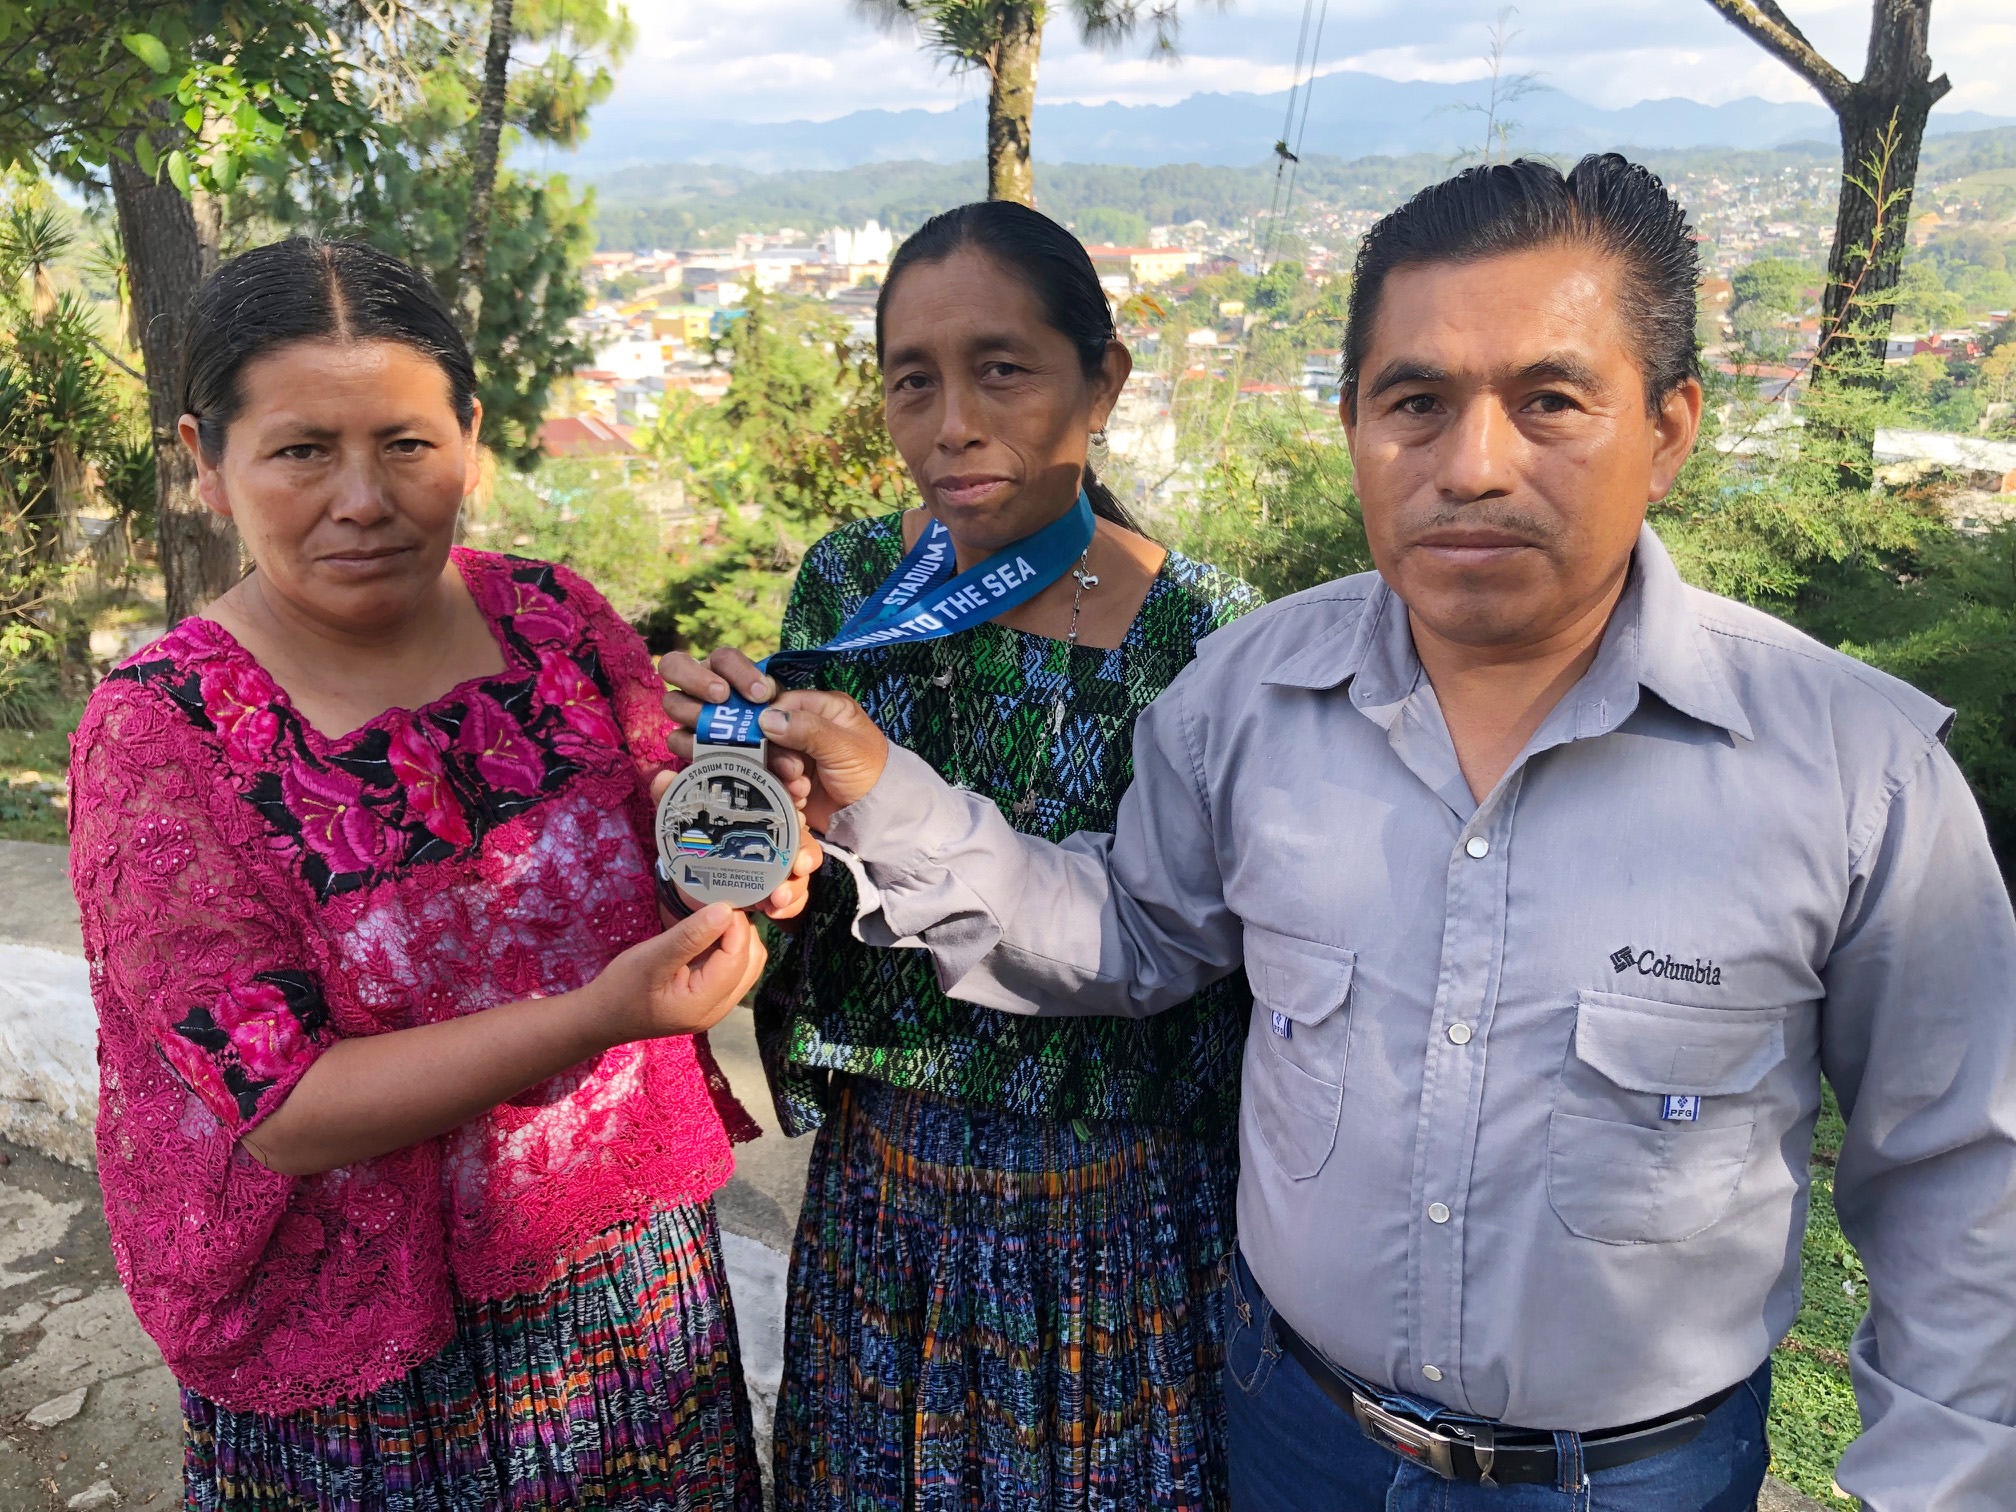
252,891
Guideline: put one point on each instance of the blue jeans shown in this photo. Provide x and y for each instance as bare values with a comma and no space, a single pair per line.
1292,1449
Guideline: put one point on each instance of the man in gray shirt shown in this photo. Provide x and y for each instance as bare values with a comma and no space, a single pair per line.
1560,886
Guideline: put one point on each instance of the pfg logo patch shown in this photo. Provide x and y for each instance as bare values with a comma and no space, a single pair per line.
1283,1025
1680,1109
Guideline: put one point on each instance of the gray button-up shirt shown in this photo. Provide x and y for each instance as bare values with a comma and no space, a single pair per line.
1530,1083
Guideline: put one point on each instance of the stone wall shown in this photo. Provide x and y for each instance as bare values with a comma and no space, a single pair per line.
48,1032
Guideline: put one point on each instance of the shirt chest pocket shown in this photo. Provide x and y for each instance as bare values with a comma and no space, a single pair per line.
1658,1107
1296,1049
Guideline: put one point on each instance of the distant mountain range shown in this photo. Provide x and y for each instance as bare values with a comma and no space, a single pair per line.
1351,115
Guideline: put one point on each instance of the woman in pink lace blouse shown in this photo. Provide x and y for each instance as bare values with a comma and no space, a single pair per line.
407,1144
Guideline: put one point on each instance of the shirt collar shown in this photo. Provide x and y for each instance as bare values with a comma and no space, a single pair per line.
1655,641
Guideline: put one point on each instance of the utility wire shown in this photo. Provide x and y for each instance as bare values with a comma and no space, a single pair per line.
1308,94
1287,127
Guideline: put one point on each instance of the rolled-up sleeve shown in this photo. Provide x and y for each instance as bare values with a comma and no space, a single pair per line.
1919,1040
1124,924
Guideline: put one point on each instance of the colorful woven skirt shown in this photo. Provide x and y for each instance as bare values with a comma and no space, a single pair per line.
991,1311
616,1386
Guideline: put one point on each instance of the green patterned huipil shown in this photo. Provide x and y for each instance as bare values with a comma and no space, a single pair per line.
981,707
1007,1286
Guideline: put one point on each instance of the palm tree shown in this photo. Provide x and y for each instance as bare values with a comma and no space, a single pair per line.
62,400
1005,38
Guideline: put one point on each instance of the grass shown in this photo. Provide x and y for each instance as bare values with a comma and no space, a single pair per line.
34,767
1813,1414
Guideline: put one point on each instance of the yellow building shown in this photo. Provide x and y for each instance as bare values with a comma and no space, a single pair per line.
1145,266
689,324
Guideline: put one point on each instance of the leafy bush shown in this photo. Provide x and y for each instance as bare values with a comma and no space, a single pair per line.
1942,616
1277,506
30,690
597,516
795,448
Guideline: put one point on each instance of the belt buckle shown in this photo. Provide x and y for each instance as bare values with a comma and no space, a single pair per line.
1415,1443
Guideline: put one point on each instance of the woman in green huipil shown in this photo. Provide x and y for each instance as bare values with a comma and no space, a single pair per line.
1006,1285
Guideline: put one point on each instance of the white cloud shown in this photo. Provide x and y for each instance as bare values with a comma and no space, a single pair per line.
770,60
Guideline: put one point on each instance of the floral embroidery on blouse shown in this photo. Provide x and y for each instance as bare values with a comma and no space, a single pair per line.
408,789
256,1038
251,891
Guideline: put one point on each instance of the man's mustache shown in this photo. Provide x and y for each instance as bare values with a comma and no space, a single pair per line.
1533,527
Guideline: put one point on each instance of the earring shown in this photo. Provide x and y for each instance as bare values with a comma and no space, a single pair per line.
1096,449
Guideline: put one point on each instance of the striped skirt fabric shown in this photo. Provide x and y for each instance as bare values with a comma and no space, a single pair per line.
993,1311
616,1386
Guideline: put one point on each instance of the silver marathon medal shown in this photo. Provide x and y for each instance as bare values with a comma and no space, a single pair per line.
727,830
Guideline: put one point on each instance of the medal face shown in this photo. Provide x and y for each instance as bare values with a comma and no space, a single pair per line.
726,830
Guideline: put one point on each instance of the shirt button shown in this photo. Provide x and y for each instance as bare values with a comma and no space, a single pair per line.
1438,1212
1431,1372
1478,847
1459,1034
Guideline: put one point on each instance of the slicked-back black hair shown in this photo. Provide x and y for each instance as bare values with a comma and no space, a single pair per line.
1606,204
308,289
1053,263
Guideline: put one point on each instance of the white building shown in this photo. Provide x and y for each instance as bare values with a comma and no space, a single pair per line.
634,358
870,244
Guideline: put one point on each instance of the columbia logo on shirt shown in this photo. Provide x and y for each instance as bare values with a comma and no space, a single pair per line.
1651,963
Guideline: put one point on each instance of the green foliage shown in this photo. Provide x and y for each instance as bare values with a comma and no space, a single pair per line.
412,197
1974,264
595,515
62,412
34,758
1942,616
1102,225
1935,393
966,33
795,448
1923,302
1759,506
1767,295
218,85
30,690
1813,1411
1276,504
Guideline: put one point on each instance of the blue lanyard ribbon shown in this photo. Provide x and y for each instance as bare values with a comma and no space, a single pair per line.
925,598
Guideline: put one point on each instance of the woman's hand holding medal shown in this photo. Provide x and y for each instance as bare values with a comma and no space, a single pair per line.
824,748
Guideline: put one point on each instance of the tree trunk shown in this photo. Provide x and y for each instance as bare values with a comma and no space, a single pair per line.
1880,138
1882,125
165,258
1011,104
483,168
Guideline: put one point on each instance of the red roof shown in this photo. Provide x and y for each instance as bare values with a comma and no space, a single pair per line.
585,436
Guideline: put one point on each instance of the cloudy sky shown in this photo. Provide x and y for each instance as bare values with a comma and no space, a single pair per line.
772,60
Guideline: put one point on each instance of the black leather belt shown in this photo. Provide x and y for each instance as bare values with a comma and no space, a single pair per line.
1488,1453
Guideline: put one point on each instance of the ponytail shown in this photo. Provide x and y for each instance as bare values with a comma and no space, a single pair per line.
1106,504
